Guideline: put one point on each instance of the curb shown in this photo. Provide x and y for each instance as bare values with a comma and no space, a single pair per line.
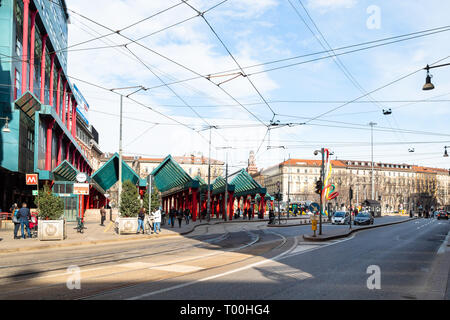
343,235
108,241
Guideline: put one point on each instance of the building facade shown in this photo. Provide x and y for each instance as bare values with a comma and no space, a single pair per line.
44,110
396,186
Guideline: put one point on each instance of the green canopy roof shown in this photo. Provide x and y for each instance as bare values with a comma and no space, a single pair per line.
108,174
245,185
169,175
200,180
218,185
65,172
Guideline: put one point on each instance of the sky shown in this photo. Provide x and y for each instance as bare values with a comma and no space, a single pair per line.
238,43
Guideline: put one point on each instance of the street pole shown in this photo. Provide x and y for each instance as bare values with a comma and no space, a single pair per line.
322,174
226,189
209,178
149,193
289,182
120,155
371,143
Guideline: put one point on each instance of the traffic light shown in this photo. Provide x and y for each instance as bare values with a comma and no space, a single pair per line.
319,186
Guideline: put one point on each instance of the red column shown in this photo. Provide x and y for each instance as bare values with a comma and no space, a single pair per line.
44,40
58,93
67,150
60,137
69,101
32,41
230,205
52,71
73,157
194,205
26,13
48,149
63,114
253,207
74,118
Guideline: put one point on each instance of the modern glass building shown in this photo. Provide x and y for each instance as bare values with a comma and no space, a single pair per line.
38,103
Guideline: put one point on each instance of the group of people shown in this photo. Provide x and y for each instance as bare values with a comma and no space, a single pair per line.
154,221
179,214
21,218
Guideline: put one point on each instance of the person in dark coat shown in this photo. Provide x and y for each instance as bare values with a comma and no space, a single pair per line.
187,215
180,216
24,216
141,219
15,218
172,215
103,215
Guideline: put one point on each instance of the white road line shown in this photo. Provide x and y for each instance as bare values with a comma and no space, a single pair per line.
217,275
444,244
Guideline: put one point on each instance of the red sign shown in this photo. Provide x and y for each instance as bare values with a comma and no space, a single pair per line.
32,179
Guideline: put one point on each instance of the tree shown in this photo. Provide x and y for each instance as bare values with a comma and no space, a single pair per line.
50,207
129,200
155,199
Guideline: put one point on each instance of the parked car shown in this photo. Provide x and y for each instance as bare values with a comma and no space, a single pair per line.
363,218
442,215
340,217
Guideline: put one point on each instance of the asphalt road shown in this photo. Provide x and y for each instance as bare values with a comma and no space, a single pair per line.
239,261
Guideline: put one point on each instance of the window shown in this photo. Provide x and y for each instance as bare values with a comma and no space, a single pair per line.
17,85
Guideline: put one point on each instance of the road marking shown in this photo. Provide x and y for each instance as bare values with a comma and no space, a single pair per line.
217,275
139,265
443,246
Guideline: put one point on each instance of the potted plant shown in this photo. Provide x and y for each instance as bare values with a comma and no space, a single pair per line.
129,208
51,223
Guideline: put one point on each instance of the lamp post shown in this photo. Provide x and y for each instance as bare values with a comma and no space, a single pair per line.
428,85
120,136
226,181
6,127
371,124
445,151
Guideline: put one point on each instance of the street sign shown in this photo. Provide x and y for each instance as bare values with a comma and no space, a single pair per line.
81,177
81,188
31,179
34,192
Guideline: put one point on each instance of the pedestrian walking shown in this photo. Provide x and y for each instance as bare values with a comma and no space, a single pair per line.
14,214
157,220
141,218
180,216
172,215
187,215
24,216
103,216
151,221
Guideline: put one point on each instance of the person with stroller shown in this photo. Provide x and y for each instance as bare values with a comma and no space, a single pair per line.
156,220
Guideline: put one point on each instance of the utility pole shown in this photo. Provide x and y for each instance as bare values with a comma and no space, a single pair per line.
226,189
371,143
322,175
149,193
120,154
209,178
289,182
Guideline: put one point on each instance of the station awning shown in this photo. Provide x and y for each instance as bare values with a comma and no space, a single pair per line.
65,172
245,185
108,174
218,186
28,103
169,175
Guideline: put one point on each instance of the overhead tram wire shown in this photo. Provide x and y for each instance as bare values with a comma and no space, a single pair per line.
375,90
337,60
173,91
117,31
243,74
430,32
170,60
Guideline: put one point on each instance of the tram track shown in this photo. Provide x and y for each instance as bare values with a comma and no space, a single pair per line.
251,234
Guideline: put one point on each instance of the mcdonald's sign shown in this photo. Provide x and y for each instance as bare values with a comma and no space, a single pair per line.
31,179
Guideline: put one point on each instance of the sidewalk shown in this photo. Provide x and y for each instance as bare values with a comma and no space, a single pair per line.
336,234
93,234
96,234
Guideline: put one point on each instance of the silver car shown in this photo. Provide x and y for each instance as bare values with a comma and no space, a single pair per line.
340,217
